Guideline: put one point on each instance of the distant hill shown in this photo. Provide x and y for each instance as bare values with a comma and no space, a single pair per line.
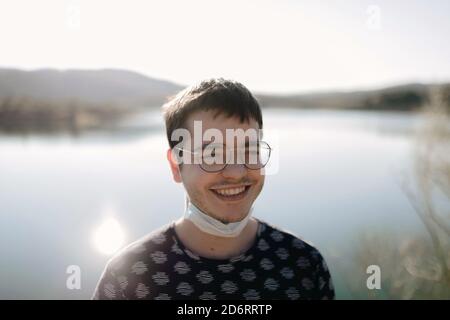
99,87
122,88
51,100
54,100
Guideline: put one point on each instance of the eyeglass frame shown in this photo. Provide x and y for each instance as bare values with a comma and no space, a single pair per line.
226,163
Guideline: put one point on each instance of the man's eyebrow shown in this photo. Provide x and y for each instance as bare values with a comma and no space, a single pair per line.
206,143
203,146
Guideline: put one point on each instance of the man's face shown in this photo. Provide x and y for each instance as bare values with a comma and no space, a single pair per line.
206,189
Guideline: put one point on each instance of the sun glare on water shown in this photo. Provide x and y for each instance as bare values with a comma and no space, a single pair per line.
109,236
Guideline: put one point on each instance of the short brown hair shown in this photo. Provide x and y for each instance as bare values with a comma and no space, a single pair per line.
223,96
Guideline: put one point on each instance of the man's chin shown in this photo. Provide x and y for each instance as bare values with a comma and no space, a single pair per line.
227,218
227,213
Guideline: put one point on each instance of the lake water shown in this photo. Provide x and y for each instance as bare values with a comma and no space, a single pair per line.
335,175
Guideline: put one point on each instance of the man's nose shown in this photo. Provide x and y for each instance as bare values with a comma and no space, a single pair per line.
234,171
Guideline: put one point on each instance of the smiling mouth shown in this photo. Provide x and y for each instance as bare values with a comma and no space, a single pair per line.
231,194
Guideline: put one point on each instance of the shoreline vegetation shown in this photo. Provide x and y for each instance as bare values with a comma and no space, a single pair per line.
77,100
408,98
25,115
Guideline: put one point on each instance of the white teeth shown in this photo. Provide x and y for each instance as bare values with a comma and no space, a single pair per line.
231,191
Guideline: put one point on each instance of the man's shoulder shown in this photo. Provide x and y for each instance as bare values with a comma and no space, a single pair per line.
303,256
284,238
151,247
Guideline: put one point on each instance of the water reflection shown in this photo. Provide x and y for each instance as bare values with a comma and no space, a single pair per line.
335,179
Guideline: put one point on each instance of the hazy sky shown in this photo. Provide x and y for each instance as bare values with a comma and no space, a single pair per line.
278,46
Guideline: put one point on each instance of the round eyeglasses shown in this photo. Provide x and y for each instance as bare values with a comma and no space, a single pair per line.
215,157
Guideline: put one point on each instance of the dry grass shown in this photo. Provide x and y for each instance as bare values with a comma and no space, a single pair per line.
416,266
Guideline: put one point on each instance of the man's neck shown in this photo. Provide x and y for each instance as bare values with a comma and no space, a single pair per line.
214,247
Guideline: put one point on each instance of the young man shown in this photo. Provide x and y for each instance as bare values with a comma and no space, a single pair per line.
218,249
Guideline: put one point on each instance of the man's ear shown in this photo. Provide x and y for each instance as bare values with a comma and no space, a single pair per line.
174,167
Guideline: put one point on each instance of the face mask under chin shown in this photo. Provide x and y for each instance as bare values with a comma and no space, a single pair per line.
214,226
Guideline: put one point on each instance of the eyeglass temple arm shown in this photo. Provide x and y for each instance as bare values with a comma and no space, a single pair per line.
185,150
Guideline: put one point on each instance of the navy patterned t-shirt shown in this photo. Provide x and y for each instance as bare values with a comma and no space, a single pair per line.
278,265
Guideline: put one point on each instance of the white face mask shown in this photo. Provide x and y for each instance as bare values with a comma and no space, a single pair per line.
213,226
